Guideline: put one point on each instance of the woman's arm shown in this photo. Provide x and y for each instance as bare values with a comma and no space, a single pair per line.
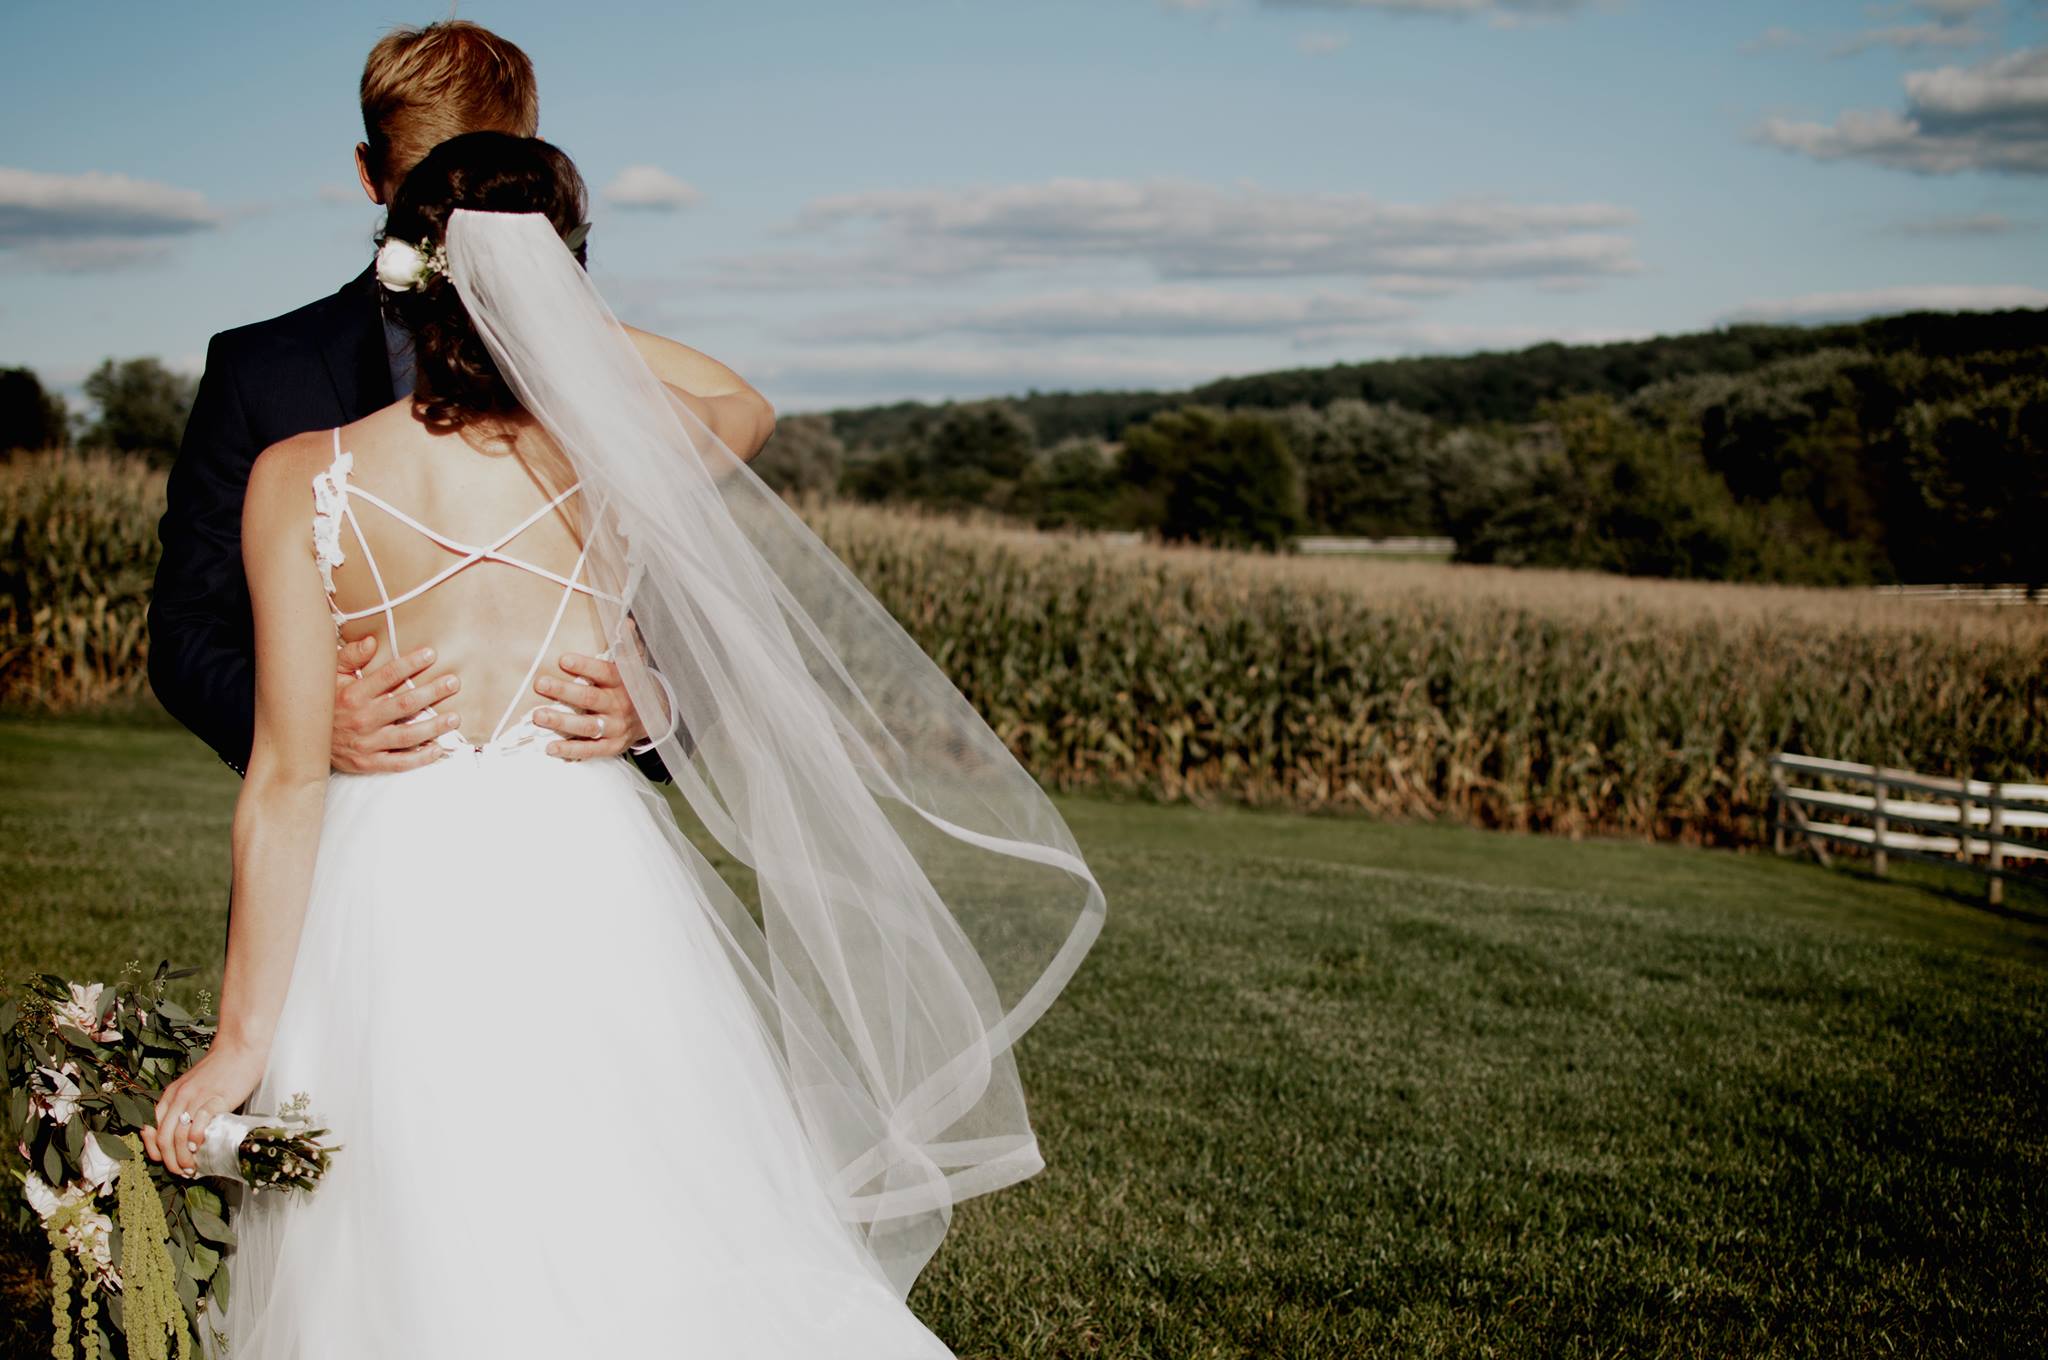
277,816
740,416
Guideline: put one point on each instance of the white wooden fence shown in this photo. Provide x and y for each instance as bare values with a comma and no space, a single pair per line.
1332,545
1997,830
1993,595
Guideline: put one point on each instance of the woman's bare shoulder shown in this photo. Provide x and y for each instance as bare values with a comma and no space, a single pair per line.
281,479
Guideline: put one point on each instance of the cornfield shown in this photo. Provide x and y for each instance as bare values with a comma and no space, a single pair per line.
1543,701
77,551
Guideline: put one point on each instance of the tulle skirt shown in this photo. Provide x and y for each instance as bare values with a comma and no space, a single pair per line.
561,1127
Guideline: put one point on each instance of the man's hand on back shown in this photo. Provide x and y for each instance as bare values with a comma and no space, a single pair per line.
372,734
604,723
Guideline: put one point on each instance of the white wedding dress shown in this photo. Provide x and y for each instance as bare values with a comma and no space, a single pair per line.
561,1126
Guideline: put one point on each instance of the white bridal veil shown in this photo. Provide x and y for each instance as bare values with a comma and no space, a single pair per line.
921,901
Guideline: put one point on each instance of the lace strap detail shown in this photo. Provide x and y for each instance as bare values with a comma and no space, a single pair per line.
330,501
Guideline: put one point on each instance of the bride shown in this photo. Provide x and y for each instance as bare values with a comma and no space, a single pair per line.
589,1099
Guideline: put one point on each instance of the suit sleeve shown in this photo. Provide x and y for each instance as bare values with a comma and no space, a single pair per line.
202,661
652,766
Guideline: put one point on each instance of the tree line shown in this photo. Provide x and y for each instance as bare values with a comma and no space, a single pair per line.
141,407
1905,448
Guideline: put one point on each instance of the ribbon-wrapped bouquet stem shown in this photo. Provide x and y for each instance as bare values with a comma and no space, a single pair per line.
133,1249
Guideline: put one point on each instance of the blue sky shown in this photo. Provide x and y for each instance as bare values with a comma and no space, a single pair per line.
932,198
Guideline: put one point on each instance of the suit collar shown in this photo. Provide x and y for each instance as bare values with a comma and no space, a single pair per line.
353,350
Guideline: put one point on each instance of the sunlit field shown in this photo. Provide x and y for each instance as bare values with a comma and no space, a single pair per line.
1328,1087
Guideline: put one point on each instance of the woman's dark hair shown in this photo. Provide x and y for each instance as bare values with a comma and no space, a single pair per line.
455,376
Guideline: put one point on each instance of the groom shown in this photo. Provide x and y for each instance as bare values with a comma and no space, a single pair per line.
329,363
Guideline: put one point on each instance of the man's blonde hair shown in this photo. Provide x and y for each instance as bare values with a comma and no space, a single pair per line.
422,86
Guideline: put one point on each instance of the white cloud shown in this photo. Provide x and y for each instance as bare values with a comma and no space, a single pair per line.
1954,11
1176,311
1429,337
1850,306
1910,38
1500,11
34,205
1182,230
649,187
95,221
1772,39
849,376
1969,224
1989,116
1322,44
95,254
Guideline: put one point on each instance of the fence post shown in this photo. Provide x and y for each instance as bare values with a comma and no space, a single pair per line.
1996,889
1777,809
1963,806
1877,839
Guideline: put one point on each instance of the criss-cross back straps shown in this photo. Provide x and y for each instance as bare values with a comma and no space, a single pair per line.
387,603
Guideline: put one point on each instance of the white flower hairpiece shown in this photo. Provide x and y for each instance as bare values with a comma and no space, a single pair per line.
403,266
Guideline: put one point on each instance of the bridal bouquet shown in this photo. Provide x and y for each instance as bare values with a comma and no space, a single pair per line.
85,1065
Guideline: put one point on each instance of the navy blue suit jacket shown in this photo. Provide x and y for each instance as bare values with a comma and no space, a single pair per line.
312,369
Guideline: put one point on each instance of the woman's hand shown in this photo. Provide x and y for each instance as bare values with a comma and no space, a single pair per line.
217,1084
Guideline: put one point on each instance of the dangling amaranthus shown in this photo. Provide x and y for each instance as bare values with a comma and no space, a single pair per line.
152,1316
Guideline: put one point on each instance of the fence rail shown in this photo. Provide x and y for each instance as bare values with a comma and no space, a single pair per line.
1970,594
1953,821
1328,545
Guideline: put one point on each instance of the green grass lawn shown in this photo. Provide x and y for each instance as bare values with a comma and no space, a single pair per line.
1333,1088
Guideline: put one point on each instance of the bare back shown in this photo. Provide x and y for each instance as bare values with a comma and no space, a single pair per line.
467,543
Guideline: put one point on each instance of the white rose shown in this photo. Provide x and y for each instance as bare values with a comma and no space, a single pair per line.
40,1196
62,1101
98,1168
400,266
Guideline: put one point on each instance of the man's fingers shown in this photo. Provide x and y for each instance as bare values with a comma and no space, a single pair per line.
403,703
395,672
404,736
585,750
592,697
633,634
589,726
586,736
391,762
353,656
590,668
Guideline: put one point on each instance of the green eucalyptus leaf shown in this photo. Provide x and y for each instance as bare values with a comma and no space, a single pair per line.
53,1163
172,1011
74,1140
204,1260
212,1227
